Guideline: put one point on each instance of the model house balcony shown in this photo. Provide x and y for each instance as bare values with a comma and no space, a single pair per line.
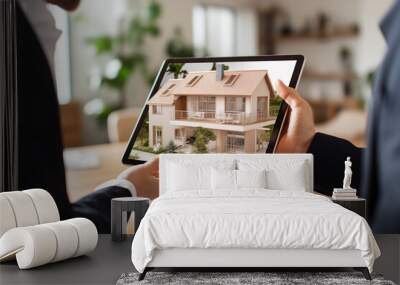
227,118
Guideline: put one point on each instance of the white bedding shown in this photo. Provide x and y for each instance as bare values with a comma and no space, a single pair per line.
252,218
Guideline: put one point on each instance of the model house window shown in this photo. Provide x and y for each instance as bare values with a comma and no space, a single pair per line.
235,104
166,91
157,109
157,135
178,134
192,82
262,104
231,80
206,103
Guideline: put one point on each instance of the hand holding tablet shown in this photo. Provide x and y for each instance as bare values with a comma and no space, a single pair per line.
299,129
217,105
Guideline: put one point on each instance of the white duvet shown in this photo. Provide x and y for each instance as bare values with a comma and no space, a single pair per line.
250,219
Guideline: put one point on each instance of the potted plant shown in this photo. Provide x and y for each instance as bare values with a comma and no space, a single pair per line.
125,55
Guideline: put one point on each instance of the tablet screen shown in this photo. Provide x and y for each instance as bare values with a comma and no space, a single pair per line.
211,107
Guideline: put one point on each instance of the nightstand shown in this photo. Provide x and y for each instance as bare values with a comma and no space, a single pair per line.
120,209
357,205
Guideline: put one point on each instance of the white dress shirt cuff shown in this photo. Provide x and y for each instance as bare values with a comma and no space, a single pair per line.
123,183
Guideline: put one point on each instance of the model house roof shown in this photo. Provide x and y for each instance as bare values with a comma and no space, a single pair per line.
165,95
235,82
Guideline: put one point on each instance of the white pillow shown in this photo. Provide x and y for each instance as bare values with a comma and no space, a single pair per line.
193,173
281,174
251,178
223,179
292,179
188,177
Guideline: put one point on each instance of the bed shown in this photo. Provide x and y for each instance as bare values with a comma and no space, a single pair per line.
247,211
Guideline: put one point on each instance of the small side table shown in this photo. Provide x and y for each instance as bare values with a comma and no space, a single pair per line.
357,205
120,207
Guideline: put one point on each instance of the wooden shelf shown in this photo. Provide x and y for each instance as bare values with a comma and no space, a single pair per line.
328,76
325,109
333,35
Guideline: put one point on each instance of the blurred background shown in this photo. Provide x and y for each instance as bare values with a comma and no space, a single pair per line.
110,52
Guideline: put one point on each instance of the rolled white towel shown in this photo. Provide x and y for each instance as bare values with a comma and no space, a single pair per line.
32,246
45,205
87,235
23,208
66,238
37,245
7,218
26,208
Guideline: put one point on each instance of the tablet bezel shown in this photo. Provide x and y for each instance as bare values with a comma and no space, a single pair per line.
156,85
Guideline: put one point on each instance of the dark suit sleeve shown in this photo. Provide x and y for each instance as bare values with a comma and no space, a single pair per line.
329,156
97,206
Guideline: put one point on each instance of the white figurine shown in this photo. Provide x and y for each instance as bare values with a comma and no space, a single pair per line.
347,174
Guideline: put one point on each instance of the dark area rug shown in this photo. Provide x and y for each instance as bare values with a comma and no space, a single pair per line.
273,278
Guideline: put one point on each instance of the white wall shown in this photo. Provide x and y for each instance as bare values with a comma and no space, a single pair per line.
372,44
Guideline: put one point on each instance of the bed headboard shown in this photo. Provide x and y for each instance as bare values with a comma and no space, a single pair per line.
212,159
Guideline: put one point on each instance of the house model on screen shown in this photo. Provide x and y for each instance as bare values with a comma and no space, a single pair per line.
234,105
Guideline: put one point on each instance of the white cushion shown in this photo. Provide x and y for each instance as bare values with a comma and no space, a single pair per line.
7,218
87,235
192,165
280,163
281,174
251,178
23,208
40,244
34,244
45,205
226,179
292,179
67,238
26,208
223,179
187,177
192,176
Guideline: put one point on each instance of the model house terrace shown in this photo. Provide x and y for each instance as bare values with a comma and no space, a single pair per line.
234,104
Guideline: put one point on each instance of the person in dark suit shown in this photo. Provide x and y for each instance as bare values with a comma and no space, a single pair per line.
40,147
377,167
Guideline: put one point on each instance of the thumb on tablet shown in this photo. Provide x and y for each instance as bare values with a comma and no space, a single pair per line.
289,95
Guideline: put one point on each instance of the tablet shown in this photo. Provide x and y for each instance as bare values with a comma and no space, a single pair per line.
214,105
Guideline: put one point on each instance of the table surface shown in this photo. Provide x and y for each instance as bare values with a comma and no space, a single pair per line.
102,266
81,182
110,259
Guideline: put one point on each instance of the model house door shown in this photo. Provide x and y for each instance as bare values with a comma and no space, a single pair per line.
262,108
234,143
157,135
